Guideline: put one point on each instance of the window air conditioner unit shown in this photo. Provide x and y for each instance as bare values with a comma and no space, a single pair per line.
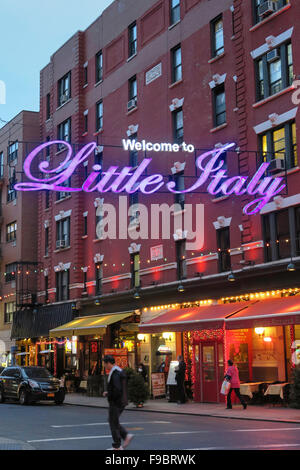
273,55
60,244
267,8
64,98
131,104
278,164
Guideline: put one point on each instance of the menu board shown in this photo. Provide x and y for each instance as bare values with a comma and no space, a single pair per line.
158,384
120,356
172,373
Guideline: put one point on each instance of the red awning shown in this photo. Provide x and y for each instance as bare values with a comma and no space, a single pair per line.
194,318
264,313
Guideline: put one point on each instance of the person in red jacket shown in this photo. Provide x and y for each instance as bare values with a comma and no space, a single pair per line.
232,375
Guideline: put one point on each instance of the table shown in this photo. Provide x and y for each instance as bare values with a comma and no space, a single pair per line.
276,389
249,388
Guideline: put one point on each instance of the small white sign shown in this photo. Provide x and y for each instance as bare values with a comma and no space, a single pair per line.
156,252
172,373
153,73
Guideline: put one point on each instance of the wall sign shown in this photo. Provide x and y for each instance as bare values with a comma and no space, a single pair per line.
213,176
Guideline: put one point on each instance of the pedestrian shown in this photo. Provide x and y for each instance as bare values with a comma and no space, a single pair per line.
142,371
117,399
180,378
232,375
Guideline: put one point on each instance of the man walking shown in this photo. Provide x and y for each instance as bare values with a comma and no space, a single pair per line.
180,377
232,375
117,399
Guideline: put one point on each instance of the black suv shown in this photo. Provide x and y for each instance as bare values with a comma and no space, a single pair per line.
29,385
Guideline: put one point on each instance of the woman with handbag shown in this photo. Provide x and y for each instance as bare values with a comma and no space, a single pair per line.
232,375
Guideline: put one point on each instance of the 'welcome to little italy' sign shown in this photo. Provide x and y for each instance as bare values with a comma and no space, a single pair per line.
126,179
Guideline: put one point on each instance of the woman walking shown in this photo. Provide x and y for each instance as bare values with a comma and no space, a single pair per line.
232,375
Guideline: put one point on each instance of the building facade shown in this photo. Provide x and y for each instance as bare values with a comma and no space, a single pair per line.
199,74
18,226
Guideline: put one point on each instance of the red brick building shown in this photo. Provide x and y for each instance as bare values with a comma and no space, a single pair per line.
204,73
18,237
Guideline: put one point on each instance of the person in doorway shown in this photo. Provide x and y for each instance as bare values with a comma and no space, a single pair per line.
142,371
232,375
117,399
180,377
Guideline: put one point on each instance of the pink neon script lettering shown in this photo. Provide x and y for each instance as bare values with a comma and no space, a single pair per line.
130,180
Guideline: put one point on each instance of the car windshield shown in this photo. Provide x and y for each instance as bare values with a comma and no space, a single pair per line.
36,373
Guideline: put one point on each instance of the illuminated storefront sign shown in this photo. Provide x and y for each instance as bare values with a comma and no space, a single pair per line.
126,179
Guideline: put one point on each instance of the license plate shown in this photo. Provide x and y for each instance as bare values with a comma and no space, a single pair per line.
50,395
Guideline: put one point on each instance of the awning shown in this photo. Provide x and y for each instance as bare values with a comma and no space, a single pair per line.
194,318
91,325
269,312
33,323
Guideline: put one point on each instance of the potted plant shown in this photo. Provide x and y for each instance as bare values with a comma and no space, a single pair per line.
137,389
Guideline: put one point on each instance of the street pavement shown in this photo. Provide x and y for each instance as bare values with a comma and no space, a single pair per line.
267,412
46,426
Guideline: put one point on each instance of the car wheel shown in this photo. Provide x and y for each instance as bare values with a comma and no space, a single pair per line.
23,398
1,396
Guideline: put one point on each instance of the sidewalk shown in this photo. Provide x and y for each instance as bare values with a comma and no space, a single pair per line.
260,413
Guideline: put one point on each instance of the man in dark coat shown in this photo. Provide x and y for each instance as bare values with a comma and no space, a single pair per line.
117,399
180,377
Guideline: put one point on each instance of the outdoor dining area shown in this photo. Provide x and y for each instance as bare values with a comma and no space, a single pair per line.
271,393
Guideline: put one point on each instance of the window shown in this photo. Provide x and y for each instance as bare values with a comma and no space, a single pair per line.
280,144
46,241
135,270
99,67
178,126
133,154
47,199
11,193
1,164
84,281
219,105
64,133
10,272
85,74
48,106
99,116
9,310
263,8
12,152
11,232
63,233
63,194
85,225
132,39
174,11
64,89
217,36
223,245
85,122
62,285
181,259
280,233
46,288
176,64
99,214
132,91
179,186
134,208
274,71
99,278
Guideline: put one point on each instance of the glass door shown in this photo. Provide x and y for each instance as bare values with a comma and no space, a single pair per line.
209,372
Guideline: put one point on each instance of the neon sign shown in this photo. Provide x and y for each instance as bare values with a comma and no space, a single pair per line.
129,180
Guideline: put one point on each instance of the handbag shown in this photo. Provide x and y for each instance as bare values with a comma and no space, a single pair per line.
225,387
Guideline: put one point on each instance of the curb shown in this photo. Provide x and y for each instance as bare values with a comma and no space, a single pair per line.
211,415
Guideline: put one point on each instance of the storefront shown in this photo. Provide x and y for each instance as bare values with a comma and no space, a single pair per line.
88,339
262,337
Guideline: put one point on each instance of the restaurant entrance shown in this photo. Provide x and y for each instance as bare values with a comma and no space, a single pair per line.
209,371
